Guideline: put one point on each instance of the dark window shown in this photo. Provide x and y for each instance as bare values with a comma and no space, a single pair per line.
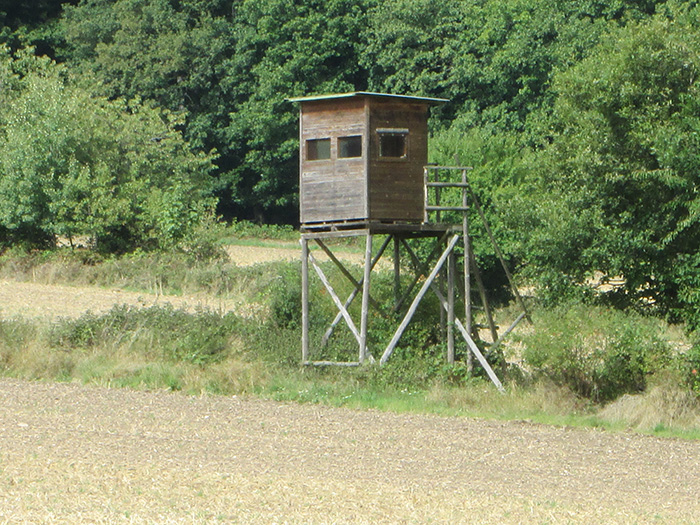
318,149
393,143
349,147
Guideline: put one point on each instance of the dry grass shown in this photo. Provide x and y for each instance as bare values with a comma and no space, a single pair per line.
662,406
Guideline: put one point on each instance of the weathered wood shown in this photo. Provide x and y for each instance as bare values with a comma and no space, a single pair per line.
336,299
331,363
412,309
451,271
354,293
482,295
397,271
348,275
420,268
467,271
365,298
471,344
304,300
507,332
371,186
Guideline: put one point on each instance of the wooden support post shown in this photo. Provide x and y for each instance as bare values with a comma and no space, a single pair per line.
471,344
304,301
397,272
412,309
467,276
451,271
365,298
484,298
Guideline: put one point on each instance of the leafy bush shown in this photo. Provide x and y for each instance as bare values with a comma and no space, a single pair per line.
74,165
599,353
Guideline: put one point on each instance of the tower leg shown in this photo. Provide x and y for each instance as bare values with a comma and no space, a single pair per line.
304,301
365,298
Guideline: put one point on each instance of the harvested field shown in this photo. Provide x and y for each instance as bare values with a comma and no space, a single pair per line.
76,454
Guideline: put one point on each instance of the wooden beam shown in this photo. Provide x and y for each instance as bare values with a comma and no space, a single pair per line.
507,332
419,267
451,271
304,300
331,363
467,269
484,298
336,299
352,296
365,298
347,274
471,344
414,306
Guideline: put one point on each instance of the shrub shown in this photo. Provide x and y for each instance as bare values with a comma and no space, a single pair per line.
598,352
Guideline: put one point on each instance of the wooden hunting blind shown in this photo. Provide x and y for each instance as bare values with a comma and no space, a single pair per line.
364,172
362,157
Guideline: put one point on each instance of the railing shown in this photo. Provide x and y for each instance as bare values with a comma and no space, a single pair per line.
436,185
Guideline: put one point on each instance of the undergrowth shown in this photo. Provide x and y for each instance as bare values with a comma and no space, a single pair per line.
577,365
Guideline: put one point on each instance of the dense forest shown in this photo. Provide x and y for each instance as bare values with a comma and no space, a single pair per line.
132,121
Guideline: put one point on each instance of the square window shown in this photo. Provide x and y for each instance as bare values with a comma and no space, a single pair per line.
318,149
393,144
350,147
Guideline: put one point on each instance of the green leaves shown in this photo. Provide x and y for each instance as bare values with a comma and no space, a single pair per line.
72,164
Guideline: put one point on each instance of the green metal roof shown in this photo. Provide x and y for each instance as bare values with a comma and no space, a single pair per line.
428,100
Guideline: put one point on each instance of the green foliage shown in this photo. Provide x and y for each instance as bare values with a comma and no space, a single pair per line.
616,191
75,165
172,334
599,353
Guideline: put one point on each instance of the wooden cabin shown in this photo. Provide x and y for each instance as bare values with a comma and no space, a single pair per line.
361,158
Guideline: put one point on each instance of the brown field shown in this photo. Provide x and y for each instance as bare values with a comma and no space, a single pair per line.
78,454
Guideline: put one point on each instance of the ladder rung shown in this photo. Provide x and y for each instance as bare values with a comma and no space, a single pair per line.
447,184
446,208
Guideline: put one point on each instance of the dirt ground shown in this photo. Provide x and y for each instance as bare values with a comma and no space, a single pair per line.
76,454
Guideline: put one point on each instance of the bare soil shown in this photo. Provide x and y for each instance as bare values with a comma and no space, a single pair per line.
76,454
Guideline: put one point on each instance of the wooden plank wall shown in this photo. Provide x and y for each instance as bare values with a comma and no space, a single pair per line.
396,185
332,190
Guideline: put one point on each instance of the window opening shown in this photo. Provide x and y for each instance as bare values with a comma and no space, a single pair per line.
318,149
393,143
350,147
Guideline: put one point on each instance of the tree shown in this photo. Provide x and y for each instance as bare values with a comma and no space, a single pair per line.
72,164
228,71
622,169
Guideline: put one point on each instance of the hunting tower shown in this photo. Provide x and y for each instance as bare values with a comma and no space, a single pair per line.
364,172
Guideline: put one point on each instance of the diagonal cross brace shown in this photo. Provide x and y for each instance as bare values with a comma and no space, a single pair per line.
429,283
336,299
351,297
416,301
357,284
